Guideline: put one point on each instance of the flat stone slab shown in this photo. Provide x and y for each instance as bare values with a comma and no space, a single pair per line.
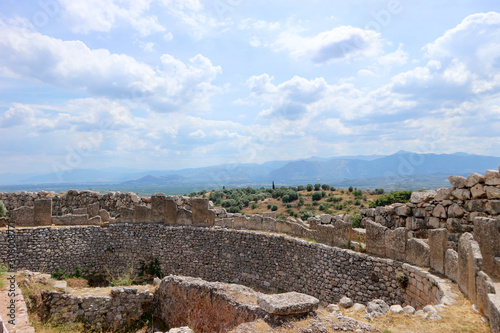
291,303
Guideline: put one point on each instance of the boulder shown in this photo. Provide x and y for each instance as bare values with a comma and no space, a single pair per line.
492,192
461,194
424,196
443,193
396,308
417,252
457,181
474,179
377,305
409,309
358,307
492,177
346,302
291,303
478,191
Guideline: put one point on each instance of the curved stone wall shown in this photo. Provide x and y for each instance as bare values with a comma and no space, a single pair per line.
265,260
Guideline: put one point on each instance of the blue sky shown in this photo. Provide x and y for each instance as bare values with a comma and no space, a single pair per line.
170,84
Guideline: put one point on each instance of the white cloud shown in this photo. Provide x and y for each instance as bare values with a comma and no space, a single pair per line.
341,43
254,24
102,15
72,65
394,59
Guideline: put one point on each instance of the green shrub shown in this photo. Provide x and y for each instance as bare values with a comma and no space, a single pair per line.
234,209
317,187
304,215
389,198
356,220
268,206
274,208
309,187
325,187
254,205
316,196
3,210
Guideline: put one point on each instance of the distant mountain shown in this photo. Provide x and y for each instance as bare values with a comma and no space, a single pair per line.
401,164
393,171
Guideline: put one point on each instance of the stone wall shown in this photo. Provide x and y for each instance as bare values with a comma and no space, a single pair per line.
453,208
122,306
268,261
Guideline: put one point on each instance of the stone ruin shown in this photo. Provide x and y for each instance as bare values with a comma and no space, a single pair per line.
453,231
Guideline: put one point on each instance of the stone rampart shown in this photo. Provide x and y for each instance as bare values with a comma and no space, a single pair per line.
268,261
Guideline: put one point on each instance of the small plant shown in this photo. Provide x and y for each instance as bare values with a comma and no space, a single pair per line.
274,208
402,280
3,270
125,278
350,246
59,274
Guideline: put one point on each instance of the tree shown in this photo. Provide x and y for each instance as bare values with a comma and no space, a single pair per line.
273,186
316,196
309,187
285,198
325,187
350,189
317,187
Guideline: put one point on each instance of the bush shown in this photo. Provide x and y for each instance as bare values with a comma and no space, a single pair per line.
304,215
323,194
356,220
325,187
309,187
317,187
316,196
274,208
268,206
389,198
3,210
234,209
254,205
285,198
351,189
300,188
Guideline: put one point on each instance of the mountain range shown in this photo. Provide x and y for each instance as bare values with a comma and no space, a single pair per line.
402,168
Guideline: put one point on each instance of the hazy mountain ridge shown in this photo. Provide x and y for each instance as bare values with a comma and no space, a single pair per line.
402,168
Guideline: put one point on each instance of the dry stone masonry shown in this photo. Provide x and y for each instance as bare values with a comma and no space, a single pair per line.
453,231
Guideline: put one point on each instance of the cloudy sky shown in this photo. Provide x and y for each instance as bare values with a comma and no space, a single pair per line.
169,84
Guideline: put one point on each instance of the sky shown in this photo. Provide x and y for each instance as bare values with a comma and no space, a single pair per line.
171,84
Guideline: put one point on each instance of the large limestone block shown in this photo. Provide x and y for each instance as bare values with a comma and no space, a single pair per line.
463,258
487,235
451,264
474,179
478,191
438,241
42,212
443,193
455,211
23,217
93,209
127,214
492,177
170,213
492,192
439,211
484,286
461,194
285,304
103,213
375,238
494,310
158,206
202,215
143,214
417,252
492,207
424,196
396,243
457,181
80,211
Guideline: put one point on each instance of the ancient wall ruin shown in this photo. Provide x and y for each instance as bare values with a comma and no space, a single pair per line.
268,261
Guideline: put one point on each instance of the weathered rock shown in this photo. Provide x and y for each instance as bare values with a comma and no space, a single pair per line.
346,302
417,252
474,179
285,304
396,243
375,238
332,308
184,329
409,309
455,211
438,241
492,207
424,196
396,308
439,211
484,286
103,213
487,235
443,193
429,309
42,212
478,191
457,181
492,177
358,307
377,305
451,264
461,194
492,192
494,310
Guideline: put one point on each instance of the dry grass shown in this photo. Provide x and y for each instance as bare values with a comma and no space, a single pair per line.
456,319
